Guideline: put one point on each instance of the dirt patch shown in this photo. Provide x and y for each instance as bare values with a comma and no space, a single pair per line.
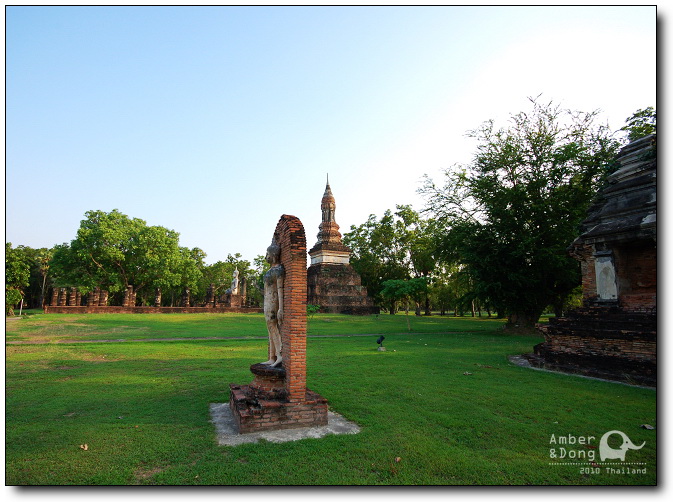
142,474
54,330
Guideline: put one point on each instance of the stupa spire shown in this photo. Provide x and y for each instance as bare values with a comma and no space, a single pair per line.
328,205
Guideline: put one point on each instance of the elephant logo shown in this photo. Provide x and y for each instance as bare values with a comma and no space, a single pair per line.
606,451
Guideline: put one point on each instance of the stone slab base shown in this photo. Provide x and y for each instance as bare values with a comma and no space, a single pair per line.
253,413
229,435
528,361
606,368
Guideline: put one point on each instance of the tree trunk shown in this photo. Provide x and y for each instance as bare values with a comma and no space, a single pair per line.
392,307
522,322
427,305
44,284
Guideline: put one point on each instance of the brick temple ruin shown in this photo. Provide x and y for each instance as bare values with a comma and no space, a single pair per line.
614,334
333,283
71,301
277,397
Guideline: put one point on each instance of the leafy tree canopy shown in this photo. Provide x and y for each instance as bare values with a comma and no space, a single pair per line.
17,274
113,251
512,211
642,123
398,246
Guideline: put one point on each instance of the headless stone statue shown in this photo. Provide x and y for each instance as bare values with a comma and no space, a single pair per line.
273,303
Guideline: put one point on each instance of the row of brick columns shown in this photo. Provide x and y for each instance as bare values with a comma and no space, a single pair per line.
73,297
61,297
129,297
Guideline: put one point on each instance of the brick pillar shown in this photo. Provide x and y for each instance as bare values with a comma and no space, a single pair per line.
62,297
243,288
133,299
73,297
95,298
210,295
54,297
278,398
78,298
128,294
102,300
292,241
584,253
89,299
185,298
157,297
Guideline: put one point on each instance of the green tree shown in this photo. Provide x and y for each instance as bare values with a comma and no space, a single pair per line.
510,214
221,273
450,288
642,123
113,251
17,275
38,262
67,269
189,274
256,280
43,261
406,290
396,247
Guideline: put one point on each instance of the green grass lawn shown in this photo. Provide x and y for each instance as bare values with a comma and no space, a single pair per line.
142,408
43,328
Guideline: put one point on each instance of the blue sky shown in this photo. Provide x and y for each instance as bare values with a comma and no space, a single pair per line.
215,121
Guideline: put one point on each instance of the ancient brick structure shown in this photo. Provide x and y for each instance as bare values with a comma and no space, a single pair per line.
614,334
332,282
64,302
186,298
119,309
128,297
54,297
278,398
210,295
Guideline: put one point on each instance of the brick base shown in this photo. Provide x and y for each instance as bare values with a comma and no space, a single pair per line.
253,413
601,341
338,289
